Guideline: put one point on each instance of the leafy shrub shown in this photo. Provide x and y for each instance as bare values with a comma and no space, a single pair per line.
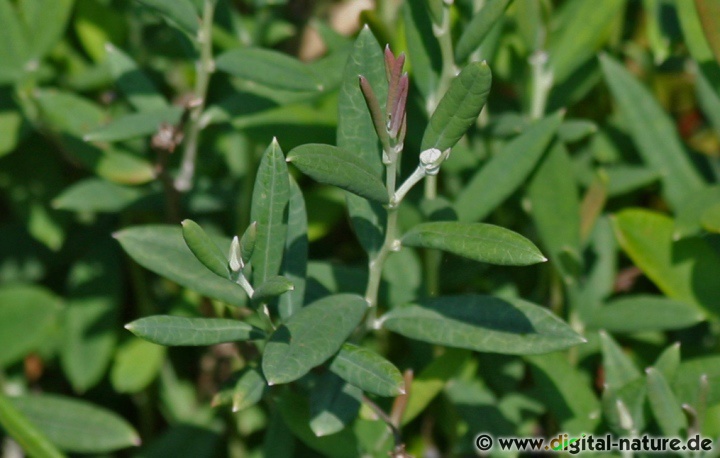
381,290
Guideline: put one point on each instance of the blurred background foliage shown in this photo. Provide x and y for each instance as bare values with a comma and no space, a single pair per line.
619,189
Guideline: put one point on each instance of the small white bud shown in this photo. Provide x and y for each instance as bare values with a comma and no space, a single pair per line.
430,160
236,262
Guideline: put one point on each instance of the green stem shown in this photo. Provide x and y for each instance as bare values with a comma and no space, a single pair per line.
448,72
205,67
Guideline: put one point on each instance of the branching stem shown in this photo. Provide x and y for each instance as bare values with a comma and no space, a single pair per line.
205,67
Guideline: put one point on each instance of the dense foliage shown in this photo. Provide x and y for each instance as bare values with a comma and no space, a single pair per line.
292,228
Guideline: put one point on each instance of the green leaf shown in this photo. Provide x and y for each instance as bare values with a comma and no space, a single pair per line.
248,390
688,386
566,393
478,28
311,336
24,432
623,179
368,371
653,133
15,51
269,68
334,404
618,368
688,218
182,331
669,361
27,315
269,203
433,378
710,219
506,171
204,248
555,209
645,313
574,130
247,242
77,426
624,409
137,87
483,323
12,125
423,49
163,250
355,133
459,107
46,21
476,241
182,13
95,24
272,287
296,415
684,270
94,294
134,125
665,406
578,41
137,363
295,258
331,165
96,195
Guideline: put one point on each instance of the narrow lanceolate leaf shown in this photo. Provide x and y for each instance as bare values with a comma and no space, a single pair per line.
645,313
96,195
46,21
368,371
334,404
478,28
664,404
269,201
618,368
137,87
430,382
24,432
483,323
331,165
248,390
204,248
356,133
555,209
181,331
295,259
77,426
163,250
506,171
653,133
269,68
272,287
570,397
423,49
181,13
136,364
311,336
477,241
685,270
27,316
578,41
15,51
247,242
669,361
459,107
134,125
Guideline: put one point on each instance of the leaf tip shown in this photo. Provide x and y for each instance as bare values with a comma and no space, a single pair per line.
109,47
136,440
